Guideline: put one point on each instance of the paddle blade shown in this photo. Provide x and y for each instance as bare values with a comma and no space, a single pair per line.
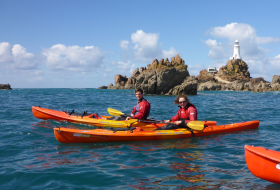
114,112
196,125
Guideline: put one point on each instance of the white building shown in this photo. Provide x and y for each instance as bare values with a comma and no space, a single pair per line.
236,51
212,70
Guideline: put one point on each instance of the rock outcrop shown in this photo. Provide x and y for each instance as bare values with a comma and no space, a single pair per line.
120,81
111,86
172,78
235,70
103,87
160,77
275,83
235,76
209,85
189,86
206,81
204,76
5,87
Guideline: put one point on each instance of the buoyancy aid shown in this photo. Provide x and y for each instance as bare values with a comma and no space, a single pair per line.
142,109
189,113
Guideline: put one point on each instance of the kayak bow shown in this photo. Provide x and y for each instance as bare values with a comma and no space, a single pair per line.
263,163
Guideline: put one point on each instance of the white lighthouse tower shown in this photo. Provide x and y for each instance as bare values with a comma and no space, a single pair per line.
236,51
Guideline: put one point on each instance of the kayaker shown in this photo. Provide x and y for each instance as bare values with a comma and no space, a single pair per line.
187,111
142,108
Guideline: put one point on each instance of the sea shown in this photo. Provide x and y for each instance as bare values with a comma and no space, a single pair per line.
31,157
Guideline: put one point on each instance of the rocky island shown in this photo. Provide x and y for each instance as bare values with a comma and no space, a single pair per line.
235,76
160,77
166,77
5,87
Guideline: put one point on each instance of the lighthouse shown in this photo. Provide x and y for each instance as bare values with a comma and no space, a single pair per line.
236,51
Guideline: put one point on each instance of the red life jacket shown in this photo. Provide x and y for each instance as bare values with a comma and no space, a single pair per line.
189,113
142,109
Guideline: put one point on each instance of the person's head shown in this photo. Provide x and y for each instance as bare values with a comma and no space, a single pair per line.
182,100
139,93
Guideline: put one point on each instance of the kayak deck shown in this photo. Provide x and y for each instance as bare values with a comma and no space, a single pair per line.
263,163
66,135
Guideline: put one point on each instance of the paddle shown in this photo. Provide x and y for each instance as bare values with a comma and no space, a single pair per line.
119,113
116,112
196,125
151,121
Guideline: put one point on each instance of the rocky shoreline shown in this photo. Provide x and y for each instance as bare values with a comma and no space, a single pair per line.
5,87
172,78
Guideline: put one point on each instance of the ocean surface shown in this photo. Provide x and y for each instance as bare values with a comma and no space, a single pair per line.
31,157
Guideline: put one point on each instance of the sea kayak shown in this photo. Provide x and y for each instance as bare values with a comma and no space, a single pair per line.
66,135
97,120
263,163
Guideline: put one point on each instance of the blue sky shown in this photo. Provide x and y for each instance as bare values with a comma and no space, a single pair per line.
84,44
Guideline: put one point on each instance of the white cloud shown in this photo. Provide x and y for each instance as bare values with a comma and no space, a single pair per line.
124,44
52,66
124,67
170,53
143,39
275,62
266,40
247,37
217,50
234,31
210,42
5,52
55,66
250,50
16,58
74,58
145,47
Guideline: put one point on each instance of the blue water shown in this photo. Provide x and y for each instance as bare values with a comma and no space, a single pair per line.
31,158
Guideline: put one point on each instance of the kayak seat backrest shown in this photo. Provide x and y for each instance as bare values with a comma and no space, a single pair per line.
70,112
96,116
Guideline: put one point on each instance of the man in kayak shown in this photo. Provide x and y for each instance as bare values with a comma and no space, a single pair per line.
142,108
187,111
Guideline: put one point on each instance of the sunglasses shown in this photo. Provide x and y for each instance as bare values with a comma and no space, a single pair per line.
182,102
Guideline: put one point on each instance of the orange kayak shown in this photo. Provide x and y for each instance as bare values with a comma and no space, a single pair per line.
263,163
66,135
95,119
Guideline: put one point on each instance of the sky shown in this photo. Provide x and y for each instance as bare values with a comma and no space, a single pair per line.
85,43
